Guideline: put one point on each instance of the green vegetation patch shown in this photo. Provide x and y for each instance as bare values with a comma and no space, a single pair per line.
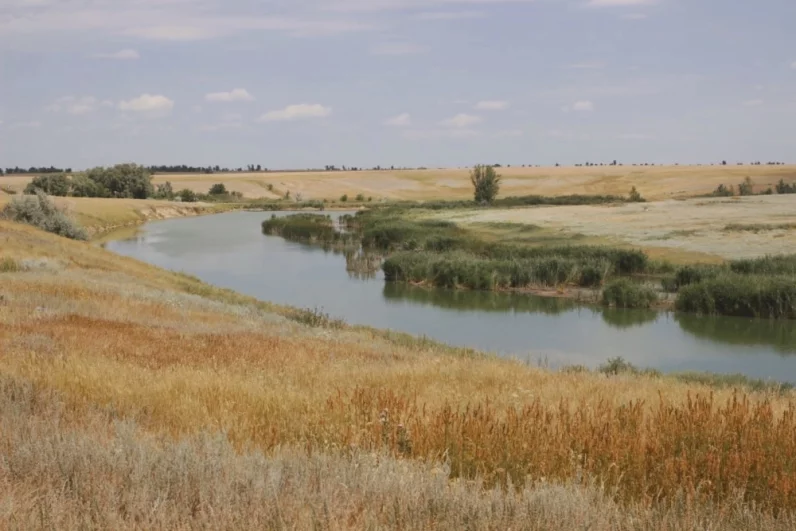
741,296
624,293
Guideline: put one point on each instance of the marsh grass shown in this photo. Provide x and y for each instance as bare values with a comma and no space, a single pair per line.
624,293
307,228
757,296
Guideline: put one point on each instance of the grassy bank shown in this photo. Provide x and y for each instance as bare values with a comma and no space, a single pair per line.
104,355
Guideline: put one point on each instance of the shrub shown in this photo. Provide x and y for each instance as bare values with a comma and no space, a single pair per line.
486,183
746,187
783,188
41,212
623,293
723,191
218,189
187,196
52,184
165,191
784,264
635,196
360,197
9,265
344,198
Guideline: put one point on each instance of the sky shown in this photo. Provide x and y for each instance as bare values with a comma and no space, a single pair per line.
306,83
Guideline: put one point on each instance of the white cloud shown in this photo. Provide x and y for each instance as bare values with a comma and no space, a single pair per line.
152,104
402,120
450,15
397,48
461,121
78,106
581,106
121,55
297,112
588,65
26,125
619,3
492,105
237,94
753,103
434,134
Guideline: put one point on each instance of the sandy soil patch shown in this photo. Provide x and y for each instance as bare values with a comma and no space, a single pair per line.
696,225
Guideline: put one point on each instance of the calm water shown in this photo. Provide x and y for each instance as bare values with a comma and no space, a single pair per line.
229,250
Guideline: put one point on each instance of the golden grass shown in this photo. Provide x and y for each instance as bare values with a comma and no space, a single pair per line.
65,469
110,334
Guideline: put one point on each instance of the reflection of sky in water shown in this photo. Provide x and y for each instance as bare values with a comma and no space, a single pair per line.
229,250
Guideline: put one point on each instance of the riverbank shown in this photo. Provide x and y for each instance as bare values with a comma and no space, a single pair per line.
94,339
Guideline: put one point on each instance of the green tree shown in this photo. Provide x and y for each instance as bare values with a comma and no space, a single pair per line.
124,180
82,186
52,184
486,183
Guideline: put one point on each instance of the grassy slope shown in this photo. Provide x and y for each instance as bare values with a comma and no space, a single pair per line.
101,215
112,338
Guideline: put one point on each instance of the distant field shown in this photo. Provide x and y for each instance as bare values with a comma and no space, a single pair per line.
655,183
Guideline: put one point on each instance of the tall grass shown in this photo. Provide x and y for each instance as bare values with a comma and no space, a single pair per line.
308,228
741,296
60,472
462,270
624,293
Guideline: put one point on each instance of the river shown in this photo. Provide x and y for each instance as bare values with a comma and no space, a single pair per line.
229,250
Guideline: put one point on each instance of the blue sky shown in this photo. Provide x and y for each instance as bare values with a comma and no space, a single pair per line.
305,83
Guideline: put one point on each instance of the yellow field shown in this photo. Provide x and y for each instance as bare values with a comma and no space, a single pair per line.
654,182
105,362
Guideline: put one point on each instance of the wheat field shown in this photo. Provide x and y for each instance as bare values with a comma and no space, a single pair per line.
654,182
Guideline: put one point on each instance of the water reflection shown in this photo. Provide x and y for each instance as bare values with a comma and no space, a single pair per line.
781,335
477,300
623,319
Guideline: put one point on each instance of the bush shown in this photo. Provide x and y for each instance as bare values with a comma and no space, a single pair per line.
344,198
746,187
723,191
218,189
623,293
486,183
51,184
635,196
165,191
41,212
741,296
187,196
783,188
360,197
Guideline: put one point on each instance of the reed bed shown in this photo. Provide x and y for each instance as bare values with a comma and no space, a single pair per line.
767,297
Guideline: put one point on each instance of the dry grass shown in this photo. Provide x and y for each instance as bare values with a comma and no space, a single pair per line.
687,231
109,334
63,469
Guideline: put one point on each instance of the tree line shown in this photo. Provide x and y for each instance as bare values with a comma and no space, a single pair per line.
22,171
